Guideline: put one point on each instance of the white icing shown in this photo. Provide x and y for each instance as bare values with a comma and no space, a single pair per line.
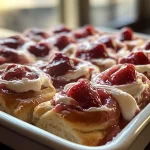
51,40
26,45
26,84
102,108
143,68
135,89
136,42
68,86
132,43
23,50
126,102
81,70
63,99
27,55
107,62
70,49
122,52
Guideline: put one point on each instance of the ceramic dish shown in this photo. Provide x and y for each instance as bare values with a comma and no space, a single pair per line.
123,140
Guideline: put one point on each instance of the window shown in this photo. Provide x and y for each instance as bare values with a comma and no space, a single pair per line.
22,14
112,12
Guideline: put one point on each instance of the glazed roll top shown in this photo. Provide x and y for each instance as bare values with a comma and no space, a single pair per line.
126,78
84,113
22,88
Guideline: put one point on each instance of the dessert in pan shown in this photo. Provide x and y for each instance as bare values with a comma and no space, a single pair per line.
36,34
126,78
86,114
40,51
83,85
127,37
11,50
96,53
141,60
22,88
64,70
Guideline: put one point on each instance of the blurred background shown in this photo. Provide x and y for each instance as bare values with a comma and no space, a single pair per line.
21,14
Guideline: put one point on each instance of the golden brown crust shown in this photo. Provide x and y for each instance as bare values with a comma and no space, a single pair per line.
54,123
21,105
79,127
91,138
88,120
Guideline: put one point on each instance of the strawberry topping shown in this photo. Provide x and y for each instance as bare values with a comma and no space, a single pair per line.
17,72
84,32
94,50
126,34
39,49
118,75
63,40
12,42
85,94
137,58
147,46
59,65
60,29
107,41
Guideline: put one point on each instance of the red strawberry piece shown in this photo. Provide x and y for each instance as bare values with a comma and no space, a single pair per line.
124,75
60,29
84,32
59,65
137,58
90,30
12,42
107,41
147,46
9,55
37,32
39,49
126,34
62,41
96,50
17,72
85,94
104,77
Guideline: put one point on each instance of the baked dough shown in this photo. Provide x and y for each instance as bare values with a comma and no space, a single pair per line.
87,127
21,104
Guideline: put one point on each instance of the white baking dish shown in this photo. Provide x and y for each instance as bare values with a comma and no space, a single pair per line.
23,136
123,140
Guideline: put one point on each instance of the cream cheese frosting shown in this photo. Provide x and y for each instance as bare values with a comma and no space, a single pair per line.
135,89
63,99
107,62
70,49
82,69
143,69
26,84
126,102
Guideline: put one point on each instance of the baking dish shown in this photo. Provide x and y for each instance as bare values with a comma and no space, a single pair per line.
123,140
21,135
